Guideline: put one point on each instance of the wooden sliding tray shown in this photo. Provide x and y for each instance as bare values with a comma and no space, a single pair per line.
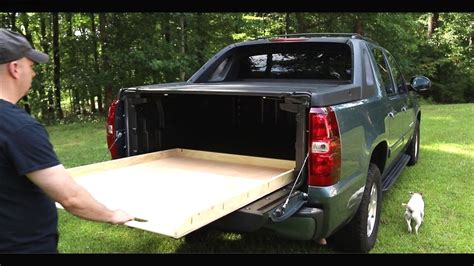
178,191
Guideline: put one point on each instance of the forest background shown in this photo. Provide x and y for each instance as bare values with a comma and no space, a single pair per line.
93,55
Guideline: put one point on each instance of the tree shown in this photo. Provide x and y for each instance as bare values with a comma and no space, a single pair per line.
57,68
94,55
432,23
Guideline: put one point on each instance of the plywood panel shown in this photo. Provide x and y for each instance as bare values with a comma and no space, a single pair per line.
178,191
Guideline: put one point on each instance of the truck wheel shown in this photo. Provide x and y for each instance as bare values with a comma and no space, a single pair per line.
360,234
414,147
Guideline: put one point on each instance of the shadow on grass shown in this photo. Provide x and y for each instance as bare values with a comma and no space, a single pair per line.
215,241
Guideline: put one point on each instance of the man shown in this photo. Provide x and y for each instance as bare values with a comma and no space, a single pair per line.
31,176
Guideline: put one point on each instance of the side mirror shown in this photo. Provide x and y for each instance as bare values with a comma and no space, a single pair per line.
420,83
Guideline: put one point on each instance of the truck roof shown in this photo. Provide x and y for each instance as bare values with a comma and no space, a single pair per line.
311,37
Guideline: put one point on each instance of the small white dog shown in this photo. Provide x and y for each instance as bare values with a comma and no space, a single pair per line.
415,210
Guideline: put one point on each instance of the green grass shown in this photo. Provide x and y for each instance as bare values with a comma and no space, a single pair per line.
443,174
79,143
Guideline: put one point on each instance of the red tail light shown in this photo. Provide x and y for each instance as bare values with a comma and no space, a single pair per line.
111,130
324,147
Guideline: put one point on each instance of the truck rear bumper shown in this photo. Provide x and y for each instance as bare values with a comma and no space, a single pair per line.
304,224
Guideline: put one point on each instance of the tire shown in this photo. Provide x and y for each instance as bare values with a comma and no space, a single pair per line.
414,147
356,236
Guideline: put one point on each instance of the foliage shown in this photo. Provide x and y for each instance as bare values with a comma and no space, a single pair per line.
101,53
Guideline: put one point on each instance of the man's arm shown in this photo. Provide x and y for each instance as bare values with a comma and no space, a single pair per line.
59,186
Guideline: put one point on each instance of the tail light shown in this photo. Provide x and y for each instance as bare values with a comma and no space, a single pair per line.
111,130
324,147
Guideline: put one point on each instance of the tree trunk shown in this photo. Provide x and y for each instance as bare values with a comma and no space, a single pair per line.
96,61
287,23
92,104
69,24
432,23
28,36
105,57
13,21
301,25
183,47
75,108
26,25
46,105
166,29
57,67
358,25
202,23
45,47
83,104
72,58
100,103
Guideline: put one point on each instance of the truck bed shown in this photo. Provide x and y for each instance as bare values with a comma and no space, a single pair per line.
178,191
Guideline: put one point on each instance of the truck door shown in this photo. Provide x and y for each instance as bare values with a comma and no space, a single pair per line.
395,104
407,110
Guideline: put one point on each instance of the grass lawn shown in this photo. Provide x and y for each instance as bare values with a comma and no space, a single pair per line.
443,174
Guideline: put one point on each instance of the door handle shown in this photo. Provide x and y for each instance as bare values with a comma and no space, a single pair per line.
391,114
404,109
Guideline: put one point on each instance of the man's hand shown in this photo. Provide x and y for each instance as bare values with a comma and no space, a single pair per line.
121,217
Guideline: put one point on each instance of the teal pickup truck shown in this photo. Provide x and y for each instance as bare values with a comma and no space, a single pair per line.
337,105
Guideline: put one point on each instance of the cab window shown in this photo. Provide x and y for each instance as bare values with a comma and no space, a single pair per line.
396,74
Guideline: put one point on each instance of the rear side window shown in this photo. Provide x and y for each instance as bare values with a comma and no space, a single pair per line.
314,61
382,71
222,70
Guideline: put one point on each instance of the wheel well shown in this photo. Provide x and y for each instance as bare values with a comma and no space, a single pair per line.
379,156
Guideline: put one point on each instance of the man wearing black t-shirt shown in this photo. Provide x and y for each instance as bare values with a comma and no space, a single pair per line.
31,176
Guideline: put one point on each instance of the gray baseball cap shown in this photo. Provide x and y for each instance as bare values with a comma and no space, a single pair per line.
14,46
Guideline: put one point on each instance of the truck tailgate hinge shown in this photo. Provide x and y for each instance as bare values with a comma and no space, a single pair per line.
295,202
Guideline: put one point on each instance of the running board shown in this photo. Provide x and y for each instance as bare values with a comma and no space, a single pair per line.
395,172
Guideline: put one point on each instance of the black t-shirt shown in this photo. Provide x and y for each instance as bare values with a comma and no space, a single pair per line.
28,218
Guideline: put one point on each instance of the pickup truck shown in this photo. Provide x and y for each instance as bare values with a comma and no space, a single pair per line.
337,105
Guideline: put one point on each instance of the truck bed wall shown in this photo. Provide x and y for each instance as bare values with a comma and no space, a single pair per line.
245,125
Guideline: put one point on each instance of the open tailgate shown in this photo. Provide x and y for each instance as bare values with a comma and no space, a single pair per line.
178,191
